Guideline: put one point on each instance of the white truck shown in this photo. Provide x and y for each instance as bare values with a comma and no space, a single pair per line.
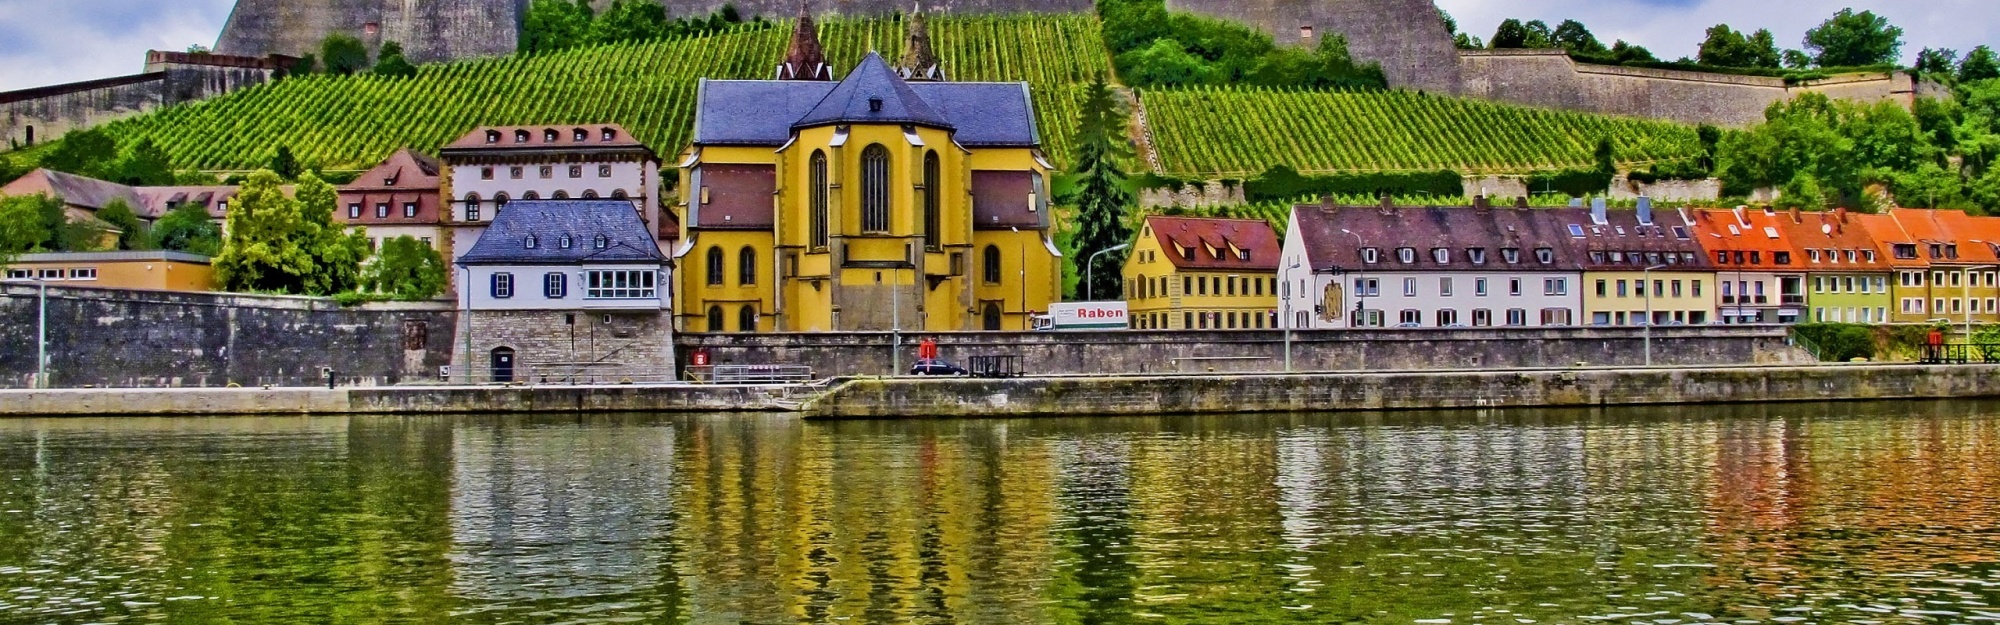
1070,316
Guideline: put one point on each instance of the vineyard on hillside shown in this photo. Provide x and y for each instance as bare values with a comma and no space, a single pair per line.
1233,132
352,122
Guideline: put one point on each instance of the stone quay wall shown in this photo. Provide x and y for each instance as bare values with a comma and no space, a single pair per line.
1134,352
107,337
1155,395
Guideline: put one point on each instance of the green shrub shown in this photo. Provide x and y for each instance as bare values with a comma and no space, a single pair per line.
1839,342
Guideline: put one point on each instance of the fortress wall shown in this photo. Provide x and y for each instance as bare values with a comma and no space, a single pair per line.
54,111
1550,79
1406,36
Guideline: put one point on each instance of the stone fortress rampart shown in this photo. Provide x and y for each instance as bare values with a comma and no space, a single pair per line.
43,114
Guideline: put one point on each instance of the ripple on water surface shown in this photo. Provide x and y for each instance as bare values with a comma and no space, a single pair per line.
1846,513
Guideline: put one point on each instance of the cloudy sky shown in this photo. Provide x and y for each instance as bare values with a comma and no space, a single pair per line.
46,42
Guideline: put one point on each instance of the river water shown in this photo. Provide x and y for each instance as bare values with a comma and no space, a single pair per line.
1859,513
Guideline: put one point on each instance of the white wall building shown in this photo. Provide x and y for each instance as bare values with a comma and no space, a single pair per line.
492,167
1427,267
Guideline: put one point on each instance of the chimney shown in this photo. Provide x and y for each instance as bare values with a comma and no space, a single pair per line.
1576,202
1520,201
1645,211
1479,203
1387,202
1840,215
1597,214
1326,201
1795,215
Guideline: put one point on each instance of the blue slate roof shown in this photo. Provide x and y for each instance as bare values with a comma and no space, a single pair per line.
764,112
505,240
872,94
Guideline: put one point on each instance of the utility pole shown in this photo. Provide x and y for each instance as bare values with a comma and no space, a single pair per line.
42,336
895,321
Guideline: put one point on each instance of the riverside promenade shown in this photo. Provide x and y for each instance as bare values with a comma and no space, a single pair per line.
916,397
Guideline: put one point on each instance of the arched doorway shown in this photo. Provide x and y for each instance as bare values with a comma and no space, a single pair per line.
990,319
503,364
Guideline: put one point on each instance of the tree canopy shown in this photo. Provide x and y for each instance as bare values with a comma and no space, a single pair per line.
1102,199
187,228
392,64
1726,47
280,244
343,54
406,269
1851,39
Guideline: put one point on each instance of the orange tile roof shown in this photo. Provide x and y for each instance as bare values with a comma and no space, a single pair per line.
1817,235
1886,232
1753,231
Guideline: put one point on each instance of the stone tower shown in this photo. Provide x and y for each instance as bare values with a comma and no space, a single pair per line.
805,59
919,61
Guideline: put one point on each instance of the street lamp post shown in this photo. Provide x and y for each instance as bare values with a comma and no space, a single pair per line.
1646,332
1966,286
1090,269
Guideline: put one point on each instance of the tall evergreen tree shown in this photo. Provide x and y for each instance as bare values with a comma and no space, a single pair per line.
284,164
1102,199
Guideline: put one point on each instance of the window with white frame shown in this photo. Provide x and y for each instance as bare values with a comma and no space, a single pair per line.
620,284
502,286
1479,287
83,273
1444,286
20,274
1409,287
1555,286
1514,286
555,285
1410,316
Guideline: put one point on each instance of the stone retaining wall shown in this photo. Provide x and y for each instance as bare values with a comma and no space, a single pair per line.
1115,352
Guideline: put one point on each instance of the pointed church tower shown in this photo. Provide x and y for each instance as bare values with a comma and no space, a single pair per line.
804,58
919,61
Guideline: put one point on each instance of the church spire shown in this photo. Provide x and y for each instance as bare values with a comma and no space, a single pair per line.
919,61
804,58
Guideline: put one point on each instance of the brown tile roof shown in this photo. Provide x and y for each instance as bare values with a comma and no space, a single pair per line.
1216,244
1457,229
1000,200
538,138
1814,235
156,201
406,170
737,196
1622,243
74,190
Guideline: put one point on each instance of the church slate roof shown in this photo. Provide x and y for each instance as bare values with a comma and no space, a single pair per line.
505,241
764,112
872,94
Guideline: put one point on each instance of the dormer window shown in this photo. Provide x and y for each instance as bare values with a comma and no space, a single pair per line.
564,241
549,136
1441,255
1906,251
1476,254
1937,251
579,135
600,242
1617,257
492,136
1722,257
1782,258
1406,255
1242,254
1756,257
1545,255
1652,258
531,242
520,136
1510,254
609,134
1812,255
1371,255
1951,250
874,105
1597,258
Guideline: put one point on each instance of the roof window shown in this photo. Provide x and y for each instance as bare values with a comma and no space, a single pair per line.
1770,232
564,241
492,136
1371,255
600,242
1510,254
1545,255
874,105
530,243
579,135
1681,232
1441,255
609,134
520,136
1476,254
1576,230
549,136
1406,255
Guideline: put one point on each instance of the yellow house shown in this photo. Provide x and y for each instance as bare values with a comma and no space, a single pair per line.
1187,273
149,270
868,204
1640,262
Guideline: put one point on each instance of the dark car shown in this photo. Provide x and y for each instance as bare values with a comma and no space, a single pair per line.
935,366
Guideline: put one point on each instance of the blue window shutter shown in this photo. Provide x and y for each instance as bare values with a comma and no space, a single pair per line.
493,286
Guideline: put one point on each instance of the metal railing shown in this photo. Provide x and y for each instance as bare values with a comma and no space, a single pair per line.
1960,354
565,374
994,366
749,374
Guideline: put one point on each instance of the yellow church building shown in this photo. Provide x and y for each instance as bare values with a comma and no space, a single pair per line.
888,199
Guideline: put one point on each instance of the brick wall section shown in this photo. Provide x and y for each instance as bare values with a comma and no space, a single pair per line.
836,354
158,338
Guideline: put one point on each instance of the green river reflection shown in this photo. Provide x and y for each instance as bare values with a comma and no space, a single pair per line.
1835,513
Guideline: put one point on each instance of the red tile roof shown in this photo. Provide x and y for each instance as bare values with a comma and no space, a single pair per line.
1216,244
1817,235
1754,232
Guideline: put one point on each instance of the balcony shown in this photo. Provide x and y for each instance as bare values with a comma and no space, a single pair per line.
1728,299
1763,299
1791,299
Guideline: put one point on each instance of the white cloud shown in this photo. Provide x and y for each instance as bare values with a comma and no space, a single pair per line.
46,42
1673,28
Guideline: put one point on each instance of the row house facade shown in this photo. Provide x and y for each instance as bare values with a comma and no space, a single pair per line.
1186,273
1438,267
489,168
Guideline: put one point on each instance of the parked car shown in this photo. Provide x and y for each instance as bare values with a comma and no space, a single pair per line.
936,366
1409,324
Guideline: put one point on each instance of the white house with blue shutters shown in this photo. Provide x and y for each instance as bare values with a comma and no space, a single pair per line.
565,291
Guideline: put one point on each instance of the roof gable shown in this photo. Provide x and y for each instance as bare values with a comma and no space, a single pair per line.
73,190
405,169
872,94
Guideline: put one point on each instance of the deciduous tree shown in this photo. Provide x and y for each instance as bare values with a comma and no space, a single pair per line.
407,269
1979,64
343,54
187,228
392,64
1850,39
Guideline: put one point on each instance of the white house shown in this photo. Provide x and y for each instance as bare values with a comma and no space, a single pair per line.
1426,267
565,288
493,167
